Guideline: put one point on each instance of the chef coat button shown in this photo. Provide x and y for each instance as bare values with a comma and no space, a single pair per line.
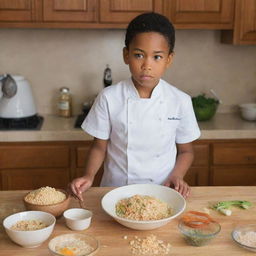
161,102
130,122
157,156
160,119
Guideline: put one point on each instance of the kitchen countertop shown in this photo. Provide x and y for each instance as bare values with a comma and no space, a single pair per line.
222,126
111,234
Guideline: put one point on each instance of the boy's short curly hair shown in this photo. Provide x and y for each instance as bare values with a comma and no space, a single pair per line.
151,22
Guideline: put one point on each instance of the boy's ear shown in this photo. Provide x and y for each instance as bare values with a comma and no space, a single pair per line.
125,55
170,59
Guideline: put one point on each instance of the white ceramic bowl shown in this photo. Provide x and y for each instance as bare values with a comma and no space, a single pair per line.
33,238
78,218
248,111
174,199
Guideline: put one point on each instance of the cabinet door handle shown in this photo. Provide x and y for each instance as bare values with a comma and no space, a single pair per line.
250,158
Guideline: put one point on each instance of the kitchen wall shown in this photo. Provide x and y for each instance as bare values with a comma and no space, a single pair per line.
50,59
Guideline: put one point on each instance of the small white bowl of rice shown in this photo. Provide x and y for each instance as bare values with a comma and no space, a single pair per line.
29,228
143,206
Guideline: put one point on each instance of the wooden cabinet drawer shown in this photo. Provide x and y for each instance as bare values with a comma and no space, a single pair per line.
197,176
207,14
34,178
234,153
19,10
81,155
70,10
234,176
201,155
34,156
123,11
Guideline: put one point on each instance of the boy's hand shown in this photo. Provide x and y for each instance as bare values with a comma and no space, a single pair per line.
79,185
178,184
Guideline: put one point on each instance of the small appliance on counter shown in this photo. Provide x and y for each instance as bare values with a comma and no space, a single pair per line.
80,118
17,106
107,77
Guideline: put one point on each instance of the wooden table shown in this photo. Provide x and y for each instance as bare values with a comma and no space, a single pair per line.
110,233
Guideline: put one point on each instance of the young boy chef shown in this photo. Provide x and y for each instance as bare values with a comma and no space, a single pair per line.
142,127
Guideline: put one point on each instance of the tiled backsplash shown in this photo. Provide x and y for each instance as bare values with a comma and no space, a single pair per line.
50,59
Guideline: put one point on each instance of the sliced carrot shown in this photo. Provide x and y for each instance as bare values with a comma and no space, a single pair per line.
201,214
196,219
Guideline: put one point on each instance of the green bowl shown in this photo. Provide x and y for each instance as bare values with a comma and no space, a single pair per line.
206,112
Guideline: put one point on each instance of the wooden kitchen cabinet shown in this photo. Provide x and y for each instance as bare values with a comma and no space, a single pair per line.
233,163
234,175
33,178
18,10
198,174
81,159
31,165
244,31
70,11
236,18
200,14
123,11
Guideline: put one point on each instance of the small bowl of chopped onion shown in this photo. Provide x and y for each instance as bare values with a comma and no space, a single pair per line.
30,228
245,236
73,244
143,206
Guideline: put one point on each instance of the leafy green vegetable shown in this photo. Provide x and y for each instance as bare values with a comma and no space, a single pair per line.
202,101
204,107
224,206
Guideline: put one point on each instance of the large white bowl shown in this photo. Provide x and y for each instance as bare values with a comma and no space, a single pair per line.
174,199
33,238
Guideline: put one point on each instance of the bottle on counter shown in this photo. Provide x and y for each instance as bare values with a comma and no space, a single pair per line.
107,78
65,103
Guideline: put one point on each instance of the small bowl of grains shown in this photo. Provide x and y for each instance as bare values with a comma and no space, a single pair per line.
245,236
73,244
47,199
29,228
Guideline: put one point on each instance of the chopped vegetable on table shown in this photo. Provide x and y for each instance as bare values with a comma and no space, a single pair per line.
224,206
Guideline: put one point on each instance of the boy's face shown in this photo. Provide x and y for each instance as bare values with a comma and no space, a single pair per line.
148,57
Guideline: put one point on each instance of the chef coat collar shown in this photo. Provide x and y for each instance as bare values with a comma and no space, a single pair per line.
134,93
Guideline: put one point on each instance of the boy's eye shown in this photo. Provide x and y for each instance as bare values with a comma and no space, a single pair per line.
158,57
138,55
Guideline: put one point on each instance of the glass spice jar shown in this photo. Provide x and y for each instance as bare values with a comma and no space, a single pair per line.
65,103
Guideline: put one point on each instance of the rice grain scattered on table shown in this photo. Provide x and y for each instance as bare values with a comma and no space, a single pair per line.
149,246
45,196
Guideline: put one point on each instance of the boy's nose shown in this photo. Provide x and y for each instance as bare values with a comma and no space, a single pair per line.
146,66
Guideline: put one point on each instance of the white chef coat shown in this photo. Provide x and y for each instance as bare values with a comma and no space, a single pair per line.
142,132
